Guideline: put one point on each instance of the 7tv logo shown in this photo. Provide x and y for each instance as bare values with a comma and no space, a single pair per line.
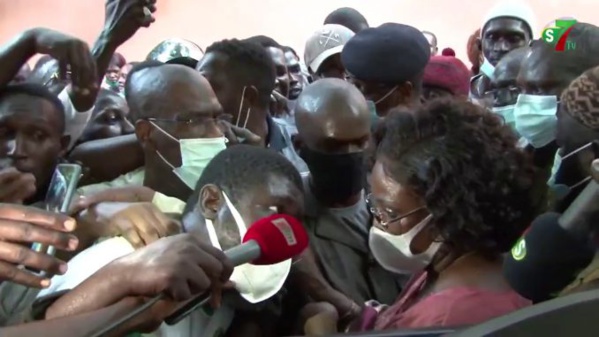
556,33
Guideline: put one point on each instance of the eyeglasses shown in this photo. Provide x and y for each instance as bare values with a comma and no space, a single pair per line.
503,96
384,218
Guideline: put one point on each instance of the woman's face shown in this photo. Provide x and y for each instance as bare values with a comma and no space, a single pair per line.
398,205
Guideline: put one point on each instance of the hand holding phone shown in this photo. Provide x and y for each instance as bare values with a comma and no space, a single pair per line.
58,200
22,224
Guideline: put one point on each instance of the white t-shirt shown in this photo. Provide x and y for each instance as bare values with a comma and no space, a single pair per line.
75,121
198,324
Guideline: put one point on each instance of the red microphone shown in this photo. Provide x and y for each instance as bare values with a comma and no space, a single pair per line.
269,240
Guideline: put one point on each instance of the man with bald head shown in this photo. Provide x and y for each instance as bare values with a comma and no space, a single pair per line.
347,17
333,122
175,110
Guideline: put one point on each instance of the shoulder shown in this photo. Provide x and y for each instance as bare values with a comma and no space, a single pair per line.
462,306
135,178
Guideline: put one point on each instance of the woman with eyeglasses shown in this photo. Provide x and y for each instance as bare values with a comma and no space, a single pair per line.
449,195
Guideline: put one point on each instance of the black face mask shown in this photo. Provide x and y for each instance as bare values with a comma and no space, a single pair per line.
335,177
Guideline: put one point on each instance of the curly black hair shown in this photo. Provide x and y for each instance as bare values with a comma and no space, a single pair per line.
251,64
463,161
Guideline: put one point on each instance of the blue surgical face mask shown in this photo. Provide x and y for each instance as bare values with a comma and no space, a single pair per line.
487,68
535,118
507,112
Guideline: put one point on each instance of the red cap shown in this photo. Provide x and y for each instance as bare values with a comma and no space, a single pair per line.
280,237
448,52
449,73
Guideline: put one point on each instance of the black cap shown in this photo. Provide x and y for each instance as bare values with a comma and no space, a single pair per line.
391,53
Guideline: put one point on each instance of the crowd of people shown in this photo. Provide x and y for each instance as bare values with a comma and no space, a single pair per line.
412,173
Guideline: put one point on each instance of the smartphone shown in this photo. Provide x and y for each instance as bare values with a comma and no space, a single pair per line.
59,196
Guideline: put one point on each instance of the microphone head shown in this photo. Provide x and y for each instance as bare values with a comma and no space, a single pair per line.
280,237
545,260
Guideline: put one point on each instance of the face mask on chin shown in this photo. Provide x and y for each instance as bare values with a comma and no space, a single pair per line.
196,153
535,118
487,69
335,177
393,252
254,283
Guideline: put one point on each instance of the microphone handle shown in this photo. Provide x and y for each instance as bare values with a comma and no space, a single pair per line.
239,255
575,219
244,253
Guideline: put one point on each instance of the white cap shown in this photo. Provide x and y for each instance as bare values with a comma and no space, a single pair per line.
517,9
325,42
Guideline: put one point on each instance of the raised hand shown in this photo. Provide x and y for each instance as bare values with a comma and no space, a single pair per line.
73,55
125,17
237,135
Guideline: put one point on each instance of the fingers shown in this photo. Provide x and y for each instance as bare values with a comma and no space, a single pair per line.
216,261
12,273
229,134
247,135
123,194
14,231
8,175
148,226
63,69
82,69
130,233
30,215
21,255
19,188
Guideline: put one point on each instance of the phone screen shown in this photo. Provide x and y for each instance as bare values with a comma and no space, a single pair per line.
62,187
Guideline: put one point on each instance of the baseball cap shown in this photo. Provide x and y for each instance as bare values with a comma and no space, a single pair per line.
178,51
325,42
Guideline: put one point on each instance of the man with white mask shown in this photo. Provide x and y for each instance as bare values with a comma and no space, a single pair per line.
176,113
502,98
239,186
510,24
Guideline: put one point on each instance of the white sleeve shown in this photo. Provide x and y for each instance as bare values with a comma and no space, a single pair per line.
86,263
75,121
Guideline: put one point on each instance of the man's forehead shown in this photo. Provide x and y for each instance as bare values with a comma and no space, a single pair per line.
276,54
36,109
538,67
291,59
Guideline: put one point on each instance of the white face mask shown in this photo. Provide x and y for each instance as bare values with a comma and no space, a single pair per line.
487,68
254,283
393,251
536,119
507,112
196,153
